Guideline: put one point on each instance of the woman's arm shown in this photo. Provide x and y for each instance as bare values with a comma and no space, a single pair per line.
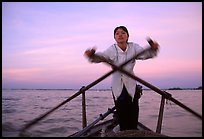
98,57
152,52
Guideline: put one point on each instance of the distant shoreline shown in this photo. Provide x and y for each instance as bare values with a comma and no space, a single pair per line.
174,88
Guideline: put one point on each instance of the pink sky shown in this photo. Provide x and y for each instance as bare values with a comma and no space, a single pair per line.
43,43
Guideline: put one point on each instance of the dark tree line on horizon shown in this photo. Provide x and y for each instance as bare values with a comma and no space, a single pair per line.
178,88
173,88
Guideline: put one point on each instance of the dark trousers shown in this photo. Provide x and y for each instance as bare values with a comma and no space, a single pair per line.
127,111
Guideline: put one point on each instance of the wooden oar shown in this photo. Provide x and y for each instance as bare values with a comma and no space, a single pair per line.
27,126
163,93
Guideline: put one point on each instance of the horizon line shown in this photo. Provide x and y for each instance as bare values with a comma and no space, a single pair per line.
171,88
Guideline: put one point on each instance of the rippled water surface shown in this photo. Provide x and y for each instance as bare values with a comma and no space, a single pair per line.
21,106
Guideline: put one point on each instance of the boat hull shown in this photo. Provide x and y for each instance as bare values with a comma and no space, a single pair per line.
106,129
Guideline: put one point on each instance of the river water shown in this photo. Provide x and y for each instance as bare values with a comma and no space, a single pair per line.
21,106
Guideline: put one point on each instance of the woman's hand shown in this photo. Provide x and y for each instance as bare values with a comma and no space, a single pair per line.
154,45
90,52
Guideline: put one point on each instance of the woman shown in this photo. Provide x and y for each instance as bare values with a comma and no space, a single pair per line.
123,87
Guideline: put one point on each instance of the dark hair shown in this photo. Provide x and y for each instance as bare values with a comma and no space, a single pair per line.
123,28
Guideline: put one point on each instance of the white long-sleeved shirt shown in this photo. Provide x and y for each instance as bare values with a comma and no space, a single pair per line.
117,56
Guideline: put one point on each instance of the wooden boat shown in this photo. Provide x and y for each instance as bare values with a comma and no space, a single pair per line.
106,129
110,128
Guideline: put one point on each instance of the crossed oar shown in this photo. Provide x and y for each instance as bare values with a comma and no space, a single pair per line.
83,89
119,68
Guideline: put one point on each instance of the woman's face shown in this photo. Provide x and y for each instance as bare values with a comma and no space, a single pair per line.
121,36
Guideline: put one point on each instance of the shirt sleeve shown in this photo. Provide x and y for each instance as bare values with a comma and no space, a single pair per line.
108,54
150,53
